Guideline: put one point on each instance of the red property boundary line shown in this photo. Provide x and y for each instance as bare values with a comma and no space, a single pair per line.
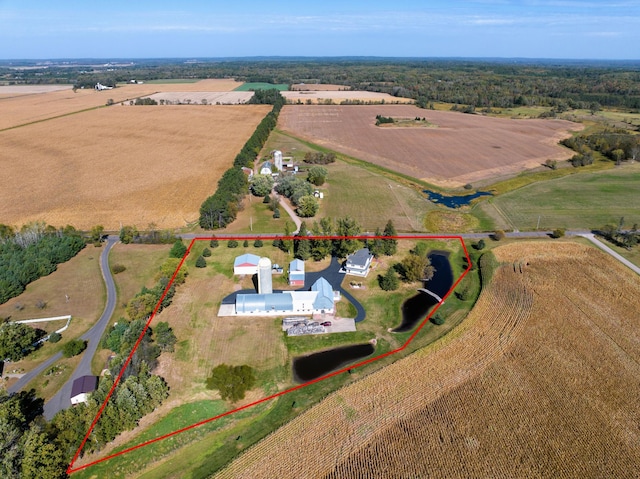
71,469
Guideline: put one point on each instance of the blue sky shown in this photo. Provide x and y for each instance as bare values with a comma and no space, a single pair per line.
427,28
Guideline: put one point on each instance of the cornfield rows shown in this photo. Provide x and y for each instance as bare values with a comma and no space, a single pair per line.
539,381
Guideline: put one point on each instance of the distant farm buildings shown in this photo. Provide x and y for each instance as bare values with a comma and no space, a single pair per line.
266,168
358,263
277,159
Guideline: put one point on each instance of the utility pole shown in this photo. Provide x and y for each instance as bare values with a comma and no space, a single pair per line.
538,225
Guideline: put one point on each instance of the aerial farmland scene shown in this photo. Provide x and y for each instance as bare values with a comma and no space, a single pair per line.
336,240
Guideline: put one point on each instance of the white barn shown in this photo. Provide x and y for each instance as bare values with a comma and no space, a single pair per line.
246,264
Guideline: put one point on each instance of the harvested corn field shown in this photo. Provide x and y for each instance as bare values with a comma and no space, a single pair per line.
539,381
456,149
113,166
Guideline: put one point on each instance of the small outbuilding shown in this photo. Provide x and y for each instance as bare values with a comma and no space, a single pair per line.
246,264
82,387
358,263
296,273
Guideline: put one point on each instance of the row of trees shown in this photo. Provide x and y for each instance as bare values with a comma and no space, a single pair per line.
33,252
221,208
319,158
300,192
318,248
617,145
130,234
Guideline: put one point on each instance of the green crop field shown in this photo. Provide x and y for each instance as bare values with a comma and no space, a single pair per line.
588,200
262,86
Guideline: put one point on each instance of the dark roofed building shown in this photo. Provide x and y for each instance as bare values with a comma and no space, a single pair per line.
82,387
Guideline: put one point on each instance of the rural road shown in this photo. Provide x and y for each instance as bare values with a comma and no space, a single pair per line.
62,399
591,237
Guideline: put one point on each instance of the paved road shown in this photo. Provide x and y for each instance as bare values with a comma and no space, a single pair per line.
591,237
62,399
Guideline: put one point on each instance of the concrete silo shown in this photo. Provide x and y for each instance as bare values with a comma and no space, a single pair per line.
277,159
265,285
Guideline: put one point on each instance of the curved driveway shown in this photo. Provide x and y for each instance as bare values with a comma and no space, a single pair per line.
62,399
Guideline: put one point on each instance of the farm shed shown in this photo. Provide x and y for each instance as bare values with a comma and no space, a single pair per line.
264,303
82,387
246,264
296,272
359,262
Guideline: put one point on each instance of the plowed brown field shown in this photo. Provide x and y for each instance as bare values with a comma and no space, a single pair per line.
460,149
541,380
115,165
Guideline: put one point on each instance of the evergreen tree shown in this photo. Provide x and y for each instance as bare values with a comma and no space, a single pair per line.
302,247
214,242
376,246
390,281
201,262
390,245
178,249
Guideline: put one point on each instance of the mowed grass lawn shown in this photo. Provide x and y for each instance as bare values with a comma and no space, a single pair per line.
588,200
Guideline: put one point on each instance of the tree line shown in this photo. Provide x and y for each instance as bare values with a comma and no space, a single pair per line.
615,144
221,208
33,252
482,83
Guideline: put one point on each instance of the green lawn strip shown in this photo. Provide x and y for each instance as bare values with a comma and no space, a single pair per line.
588,200
262,86
180,417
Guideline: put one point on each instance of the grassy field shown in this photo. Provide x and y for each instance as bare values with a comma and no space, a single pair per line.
528,360
142,263
262,86
586,200
147,164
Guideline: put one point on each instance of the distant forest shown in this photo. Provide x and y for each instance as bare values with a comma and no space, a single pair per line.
481,83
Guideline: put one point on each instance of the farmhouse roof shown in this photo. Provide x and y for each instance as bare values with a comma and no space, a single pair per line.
359,258
84,384
246,259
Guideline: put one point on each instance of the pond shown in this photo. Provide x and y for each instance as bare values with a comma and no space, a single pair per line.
313,366
454,201
416,308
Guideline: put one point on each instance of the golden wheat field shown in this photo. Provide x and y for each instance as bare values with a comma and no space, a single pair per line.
114,166
19,108
541,380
